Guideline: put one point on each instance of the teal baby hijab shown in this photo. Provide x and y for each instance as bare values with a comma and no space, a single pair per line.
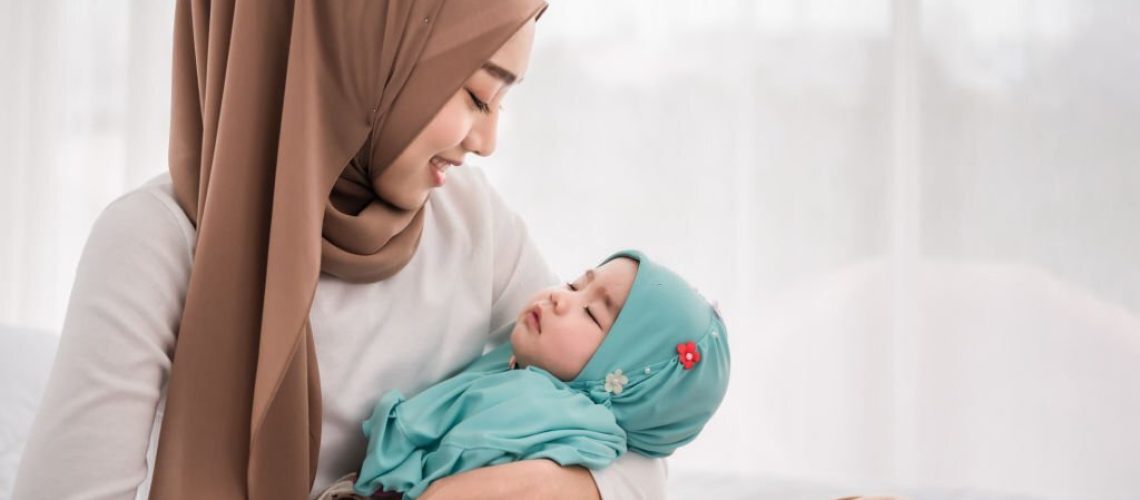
653,383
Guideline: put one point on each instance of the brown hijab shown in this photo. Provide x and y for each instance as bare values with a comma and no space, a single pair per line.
284,115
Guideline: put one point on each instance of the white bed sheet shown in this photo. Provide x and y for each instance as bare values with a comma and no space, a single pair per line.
689,484
25,362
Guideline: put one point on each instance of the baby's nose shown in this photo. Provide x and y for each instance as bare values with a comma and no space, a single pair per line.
557,299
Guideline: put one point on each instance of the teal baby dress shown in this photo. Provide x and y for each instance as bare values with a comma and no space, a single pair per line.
655,380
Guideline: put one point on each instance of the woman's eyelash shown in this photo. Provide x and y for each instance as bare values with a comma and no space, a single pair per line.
596,322
483,107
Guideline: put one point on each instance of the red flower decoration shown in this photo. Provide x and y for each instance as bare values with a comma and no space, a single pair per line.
688,354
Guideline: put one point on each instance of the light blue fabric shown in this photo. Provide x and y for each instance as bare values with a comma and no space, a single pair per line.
485,415
489,414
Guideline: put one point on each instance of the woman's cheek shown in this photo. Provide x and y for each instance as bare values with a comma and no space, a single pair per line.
449,125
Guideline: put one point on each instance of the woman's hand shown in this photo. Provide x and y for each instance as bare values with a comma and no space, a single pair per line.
538,479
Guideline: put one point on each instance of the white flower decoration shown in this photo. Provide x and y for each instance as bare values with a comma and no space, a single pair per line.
716,309
712,302
615,381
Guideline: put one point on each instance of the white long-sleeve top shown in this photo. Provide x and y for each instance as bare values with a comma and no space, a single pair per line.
97,428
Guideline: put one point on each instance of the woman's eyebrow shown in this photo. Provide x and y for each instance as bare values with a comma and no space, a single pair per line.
501,73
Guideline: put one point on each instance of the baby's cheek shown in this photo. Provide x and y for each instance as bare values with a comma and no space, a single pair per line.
519,344
582,352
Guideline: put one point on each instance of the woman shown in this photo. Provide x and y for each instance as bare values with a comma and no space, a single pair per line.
232,324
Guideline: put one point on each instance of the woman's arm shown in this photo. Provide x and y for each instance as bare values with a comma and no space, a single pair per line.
632,476
520,270
528,479
91,433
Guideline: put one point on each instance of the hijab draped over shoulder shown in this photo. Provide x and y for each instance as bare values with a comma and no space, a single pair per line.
284,115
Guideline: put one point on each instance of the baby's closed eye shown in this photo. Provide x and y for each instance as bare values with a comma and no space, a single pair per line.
586,308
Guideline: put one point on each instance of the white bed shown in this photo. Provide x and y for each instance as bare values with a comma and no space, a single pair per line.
25,360
728,486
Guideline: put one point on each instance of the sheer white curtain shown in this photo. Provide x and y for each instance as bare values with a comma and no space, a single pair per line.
85,93
919,216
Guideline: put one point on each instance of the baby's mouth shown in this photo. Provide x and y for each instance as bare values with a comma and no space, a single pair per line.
535,314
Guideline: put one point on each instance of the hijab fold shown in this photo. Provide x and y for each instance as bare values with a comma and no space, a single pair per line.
284,114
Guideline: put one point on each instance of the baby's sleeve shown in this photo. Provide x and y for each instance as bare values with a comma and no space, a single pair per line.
475,420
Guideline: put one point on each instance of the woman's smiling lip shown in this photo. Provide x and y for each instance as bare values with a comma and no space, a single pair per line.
437,167
454,163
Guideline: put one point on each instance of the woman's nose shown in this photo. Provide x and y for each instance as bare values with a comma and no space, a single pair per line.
481,138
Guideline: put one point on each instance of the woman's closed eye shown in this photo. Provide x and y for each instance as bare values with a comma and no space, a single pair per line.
596,322
483,107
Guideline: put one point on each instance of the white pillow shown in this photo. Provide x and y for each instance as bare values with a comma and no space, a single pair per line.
25,362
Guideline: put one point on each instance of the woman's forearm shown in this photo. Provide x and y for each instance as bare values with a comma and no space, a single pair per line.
537,479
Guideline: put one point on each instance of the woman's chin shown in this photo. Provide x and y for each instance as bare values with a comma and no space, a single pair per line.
420,199
411,198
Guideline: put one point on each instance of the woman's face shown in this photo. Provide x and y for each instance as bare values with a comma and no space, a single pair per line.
465,124
563,326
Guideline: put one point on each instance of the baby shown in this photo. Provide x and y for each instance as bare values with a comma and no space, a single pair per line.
628,356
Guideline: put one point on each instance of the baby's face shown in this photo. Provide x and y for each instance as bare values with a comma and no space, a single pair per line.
562,326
